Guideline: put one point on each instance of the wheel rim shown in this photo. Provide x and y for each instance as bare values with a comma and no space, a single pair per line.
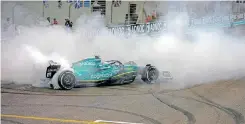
68,80
152,75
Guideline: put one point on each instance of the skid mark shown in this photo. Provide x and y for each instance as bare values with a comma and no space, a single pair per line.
191,118
237,116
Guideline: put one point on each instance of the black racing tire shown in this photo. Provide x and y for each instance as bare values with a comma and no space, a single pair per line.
66,80
150,74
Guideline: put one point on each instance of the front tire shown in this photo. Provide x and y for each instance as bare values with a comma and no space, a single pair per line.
67,80
150,74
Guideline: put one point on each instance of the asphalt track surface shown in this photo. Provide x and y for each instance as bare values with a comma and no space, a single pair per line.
220,102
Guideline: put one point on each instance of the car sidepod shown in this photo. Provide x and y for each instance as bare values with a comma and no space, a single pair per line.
127,75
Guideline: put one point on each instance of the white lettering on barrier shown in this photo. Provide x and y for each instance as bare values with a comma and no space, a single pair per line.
155,27
117,30
141,28
150,27
128,30
216,19
113,30
122,30
146,28
159,26
133,29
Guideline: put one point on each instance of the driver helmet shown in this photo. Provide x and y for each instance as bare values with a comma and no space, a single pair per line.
97,56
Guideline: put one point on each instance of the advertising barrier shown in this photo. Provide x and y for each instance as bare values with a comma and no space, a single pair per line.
138,28
154,27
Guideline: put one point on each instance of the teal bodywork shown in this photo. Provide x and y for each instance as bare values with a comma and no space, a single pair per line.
94,70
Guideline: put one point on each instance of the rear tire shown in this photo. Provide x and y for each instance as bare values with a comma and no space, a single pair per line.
67,80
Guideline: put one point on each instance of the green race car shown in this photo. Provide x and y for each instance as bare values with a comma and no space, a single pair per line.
93,70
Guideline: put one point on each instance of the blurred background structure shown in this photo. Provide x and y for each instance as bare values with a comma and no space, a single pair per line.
116,12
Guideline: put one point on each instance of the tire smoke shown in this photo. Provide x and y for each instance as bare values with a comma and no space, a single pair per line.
210,55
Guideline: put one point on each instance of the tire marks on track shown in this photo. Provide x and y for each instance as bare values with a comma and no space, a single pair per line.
125,87
191,118
199,101
63,94
94,107
11,121
237,116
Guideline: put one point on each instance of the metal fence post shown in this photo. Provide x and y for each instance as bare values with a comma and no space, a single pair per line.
13,13
70,10
111,9
43,9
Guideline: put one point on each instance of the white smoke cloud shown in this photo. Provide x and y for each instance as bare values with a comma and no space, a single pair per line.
209,56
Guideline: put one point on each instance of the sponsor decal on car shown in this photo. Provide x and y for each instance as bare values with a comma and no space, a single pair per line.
98,76
87,63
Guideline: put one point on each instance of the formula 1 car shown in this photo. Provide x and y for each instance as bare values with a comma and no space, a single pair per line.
101,73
